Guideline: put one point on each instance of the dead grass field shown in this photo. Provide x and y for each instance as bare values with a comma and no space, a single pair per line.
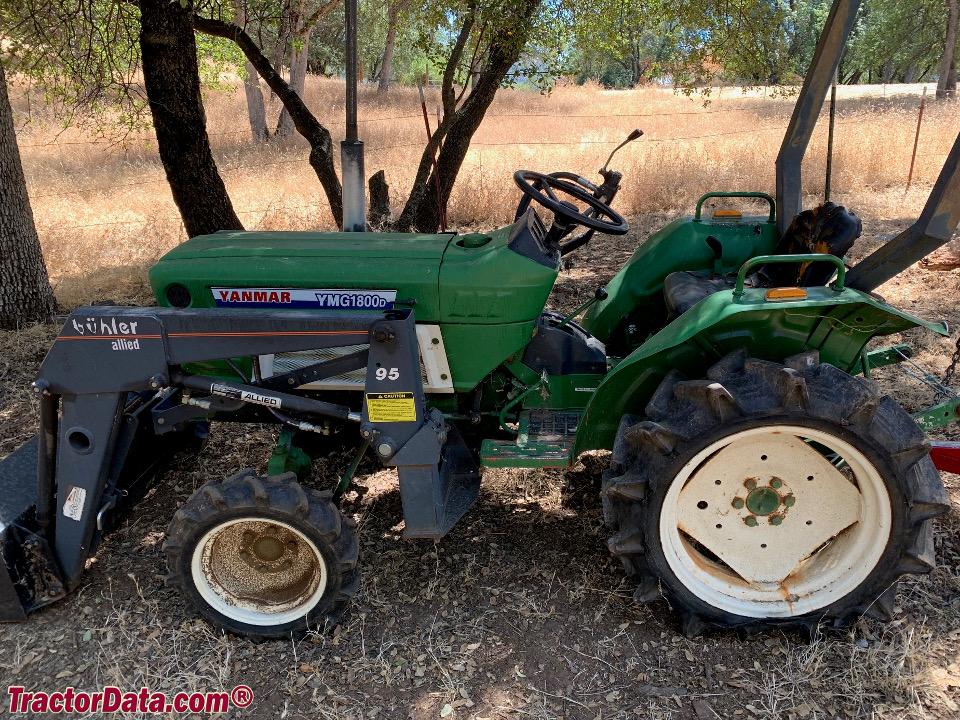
520,611
104,211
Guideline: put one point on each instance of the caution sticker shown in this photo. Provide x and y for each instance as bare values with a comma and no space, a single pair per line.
391,407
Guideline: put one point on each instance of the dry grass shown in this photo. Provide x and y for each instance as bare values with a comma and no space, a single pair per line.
520,611
104,204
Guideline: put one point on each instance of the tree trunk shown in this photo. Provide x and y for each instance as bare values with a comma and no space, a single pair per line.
887,72
298,76
458,127
251,88
172,82
283,39
380,213
25,294
321,145
255,108
949,52
388,48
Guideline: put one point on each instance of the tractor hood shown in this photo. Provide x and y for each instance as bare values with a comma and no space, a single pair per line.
283,269
492,279
312,244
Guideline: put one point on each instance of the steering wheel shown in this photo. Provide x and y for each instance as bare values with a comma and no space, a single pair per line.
541,188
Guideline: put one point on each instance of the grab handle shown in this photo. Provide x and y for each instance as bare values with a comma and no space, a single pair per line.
812,257
762,196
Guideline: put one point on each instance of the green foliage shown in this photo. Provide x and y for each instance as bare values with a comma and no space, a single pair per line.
897,41
82,58
217,58
77,55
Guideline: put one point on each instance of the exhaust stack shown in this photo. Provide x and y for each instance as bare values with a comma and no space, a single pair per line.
351,149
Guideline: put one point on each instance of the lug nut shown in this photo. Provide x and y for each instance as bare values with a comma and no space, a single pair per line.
789,501
776,483
751,521
775,519
738,503
750,483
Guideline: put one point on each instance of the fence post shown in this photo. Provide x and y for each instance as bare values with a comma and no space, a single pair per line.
833,121
916,140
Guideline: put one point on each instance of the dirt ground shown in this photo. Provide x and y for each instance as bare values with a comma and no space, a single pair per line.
519,612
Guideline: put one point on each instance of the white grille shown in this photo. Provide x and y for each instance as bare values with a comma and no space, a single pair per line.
435,373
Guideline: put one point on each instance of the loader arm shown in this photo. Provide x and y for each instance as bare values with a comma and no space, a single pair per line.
117,375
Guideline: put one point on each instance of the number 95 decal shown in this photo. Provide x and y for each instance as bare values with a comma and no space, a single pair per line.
392,374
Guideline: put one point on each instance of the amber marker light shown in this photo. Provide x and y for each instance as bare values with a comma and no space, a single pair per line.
787,293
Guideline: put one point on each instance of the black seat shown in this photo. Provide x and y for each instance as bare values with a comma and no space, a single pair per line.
828,229
683,290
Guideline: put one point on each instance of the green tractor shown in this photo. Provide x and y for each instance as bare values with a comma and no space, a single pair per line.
758,477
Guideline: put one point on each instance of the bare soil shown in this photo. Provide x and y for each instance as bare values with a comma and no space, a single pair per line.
519,612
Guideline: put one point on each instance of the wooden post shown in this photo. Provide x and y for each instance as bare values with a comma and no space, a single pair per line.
916,140
833,122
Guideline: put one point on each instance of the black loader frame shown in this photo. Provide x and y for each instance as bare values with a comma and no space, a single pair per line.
116,402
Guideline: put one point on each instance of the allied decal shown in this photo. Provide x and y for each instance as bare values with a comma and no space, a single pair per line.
267,400
301,298
124,344
245,395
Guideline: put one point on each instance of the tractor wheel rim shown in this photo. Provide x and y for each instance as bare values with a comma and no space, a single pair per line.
775,521
259,572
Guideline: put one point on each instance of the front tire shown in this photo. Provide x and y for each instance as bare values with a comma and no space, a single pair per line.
263,557
772,495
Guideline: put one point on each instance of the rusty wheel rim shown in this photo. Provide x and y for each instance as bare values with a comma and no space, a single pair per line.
258,571
775,521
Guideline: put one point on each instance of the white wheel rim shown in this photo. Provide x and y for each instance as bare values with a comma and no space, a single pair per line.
829,537
259,572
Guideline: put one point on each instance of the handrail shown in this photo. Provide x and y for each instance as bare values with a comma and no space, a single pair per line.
762,196
811,257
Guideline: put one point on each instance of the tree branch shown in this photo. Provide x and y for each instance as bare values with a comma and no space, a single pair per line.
321,12
450,72
321,145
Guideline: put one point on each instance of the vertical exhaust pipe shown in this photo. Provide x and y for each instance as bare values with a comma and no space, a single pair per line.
351,149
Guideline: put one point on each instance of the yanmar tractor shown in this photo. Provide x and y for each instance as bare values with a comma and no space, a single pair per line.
758,478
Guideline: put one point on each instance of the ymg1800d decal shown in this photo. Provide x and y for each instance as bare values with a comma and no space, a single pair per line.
315,299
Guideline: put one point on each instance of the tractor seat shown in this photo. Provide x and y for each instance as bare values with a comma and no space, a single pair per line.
828,229
683,290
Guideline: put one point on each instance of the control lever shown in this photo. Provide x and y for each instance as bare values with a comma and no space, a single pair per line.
630,138
717,255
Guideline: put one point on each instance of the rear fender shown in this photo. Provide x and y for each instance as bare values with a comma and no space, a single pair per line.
634,305
837,324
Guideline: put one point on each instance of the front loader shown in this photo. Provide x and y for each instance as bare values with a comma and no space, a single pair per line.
758,477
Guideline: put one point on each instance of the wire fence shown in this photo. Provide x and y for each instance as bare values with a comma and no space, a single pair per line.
373,149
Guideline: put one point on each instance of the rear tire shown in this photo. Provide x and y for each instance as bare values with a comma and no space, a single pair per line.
263,557
772,495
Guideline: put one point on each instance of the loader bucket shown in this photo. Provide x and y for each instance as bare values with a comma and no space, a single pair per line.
29,577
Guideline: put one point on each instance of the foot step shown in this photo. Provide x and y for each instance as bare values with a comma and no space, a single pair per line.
545,440
535,454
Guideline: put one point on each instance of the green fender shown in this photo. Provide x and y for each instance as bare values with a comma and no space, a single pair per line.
837,323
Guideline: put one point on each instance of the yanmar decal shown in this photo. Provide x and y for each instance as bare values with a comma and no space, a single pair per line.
316,299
